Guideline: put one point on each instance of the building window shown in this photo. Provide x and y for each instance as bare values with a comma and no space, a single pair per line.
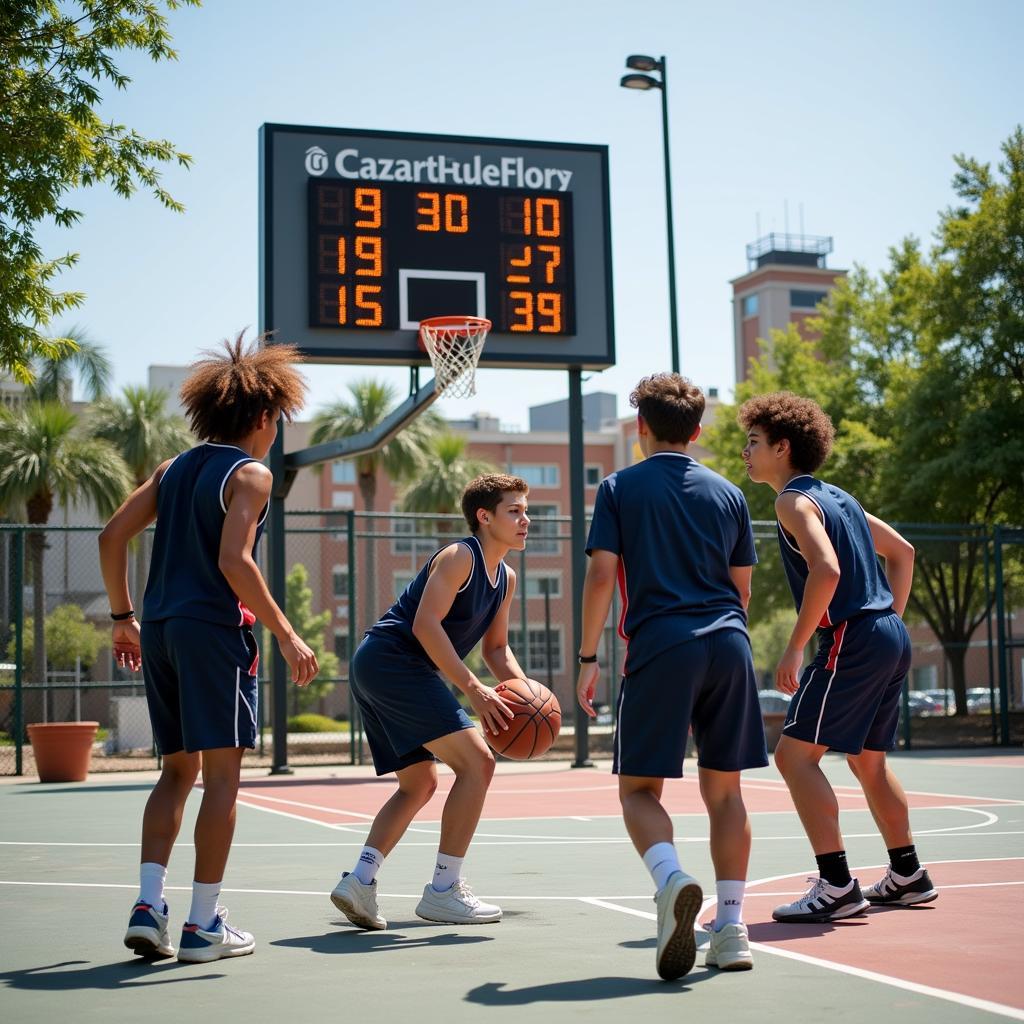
343,499
339,581
537,475
591,476
749,305
401,581
341,648
801,299
343,472
537,585
420,546
534,657
538,542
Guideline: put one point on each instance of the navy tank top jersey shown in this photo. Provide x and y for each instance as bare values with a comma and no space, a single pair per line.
471,613
862,584
184,578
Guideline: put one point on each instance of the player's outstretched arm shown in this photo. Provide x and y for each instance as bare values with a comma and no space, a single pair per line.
799,517
898,553
598,590
246,495
448,572
134,515
497,654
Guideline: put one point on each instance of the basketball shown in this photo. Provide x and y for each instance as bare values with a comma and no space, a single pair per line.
535,727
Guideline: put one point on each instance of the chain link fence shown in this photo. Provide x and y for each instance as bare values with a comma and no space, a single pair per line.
345,568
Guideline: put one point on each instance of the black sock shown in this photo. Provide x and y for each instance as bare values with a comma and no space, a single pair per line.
833,868
903,860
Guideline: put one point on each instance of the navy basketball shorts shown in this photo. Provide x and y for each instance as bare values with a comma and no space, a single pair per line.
707,683
201,684
404,703
849,696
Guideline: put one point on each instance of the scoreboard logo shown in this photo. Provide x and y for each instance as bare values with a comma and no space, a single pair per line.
316,161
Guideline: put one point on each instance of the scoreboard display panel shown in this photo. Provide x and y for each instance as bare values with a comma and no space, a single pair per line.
364,234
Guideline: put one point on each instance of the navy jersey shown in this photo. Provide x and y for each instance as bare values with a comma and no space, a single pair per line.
184,578
471,613
862,584
677,527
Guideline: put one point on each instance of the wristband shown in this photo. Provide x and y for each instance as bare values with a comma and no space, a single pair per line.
587,661
130,614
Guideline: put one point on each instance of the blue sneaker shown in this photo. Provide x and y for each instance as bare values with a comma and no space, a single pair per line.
147,933
201,945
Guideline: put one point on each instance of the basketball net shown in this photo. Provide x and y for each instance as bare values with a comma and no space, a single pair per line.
454,344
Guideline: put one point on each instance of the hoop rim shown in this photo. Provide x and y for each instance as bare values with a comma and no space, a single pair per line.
455,321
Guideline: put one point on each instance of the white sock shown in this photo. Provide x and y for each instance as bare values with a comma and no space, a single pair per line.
204,904
730,903
368,865
446,872
662,861
152,877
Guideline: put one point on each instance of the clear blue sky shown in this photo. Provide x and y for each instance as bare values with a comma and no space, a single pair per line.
852,110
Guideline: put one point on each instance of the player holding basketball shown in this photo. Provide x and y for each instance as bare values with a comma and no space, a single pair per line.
196,645
460,597
847,699
678,538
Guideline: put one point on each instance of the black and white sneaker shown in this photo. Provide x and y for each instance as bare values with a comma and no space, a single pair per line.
902,891
823,902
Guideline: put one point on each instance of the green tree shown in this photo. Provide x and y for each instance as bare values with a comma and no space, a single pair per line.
70,638
404,455
312,628
440,489
43,458
55,375
54,57
145,433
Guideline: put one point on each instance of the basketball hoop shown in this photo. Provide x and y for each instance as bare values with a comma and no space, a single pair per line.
454,344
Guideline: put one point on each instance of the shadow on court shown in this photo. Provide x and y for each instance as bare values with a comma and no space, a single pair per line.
494,993
350,940
278,783
125,974
776,931
42,789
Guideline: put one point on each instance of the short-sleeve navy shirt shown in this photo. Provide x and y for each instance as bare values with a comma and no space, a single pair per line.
677,527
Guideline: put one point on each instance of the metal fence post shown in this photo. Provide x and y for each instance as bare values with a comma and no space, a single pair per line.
355,733
1004,689
19,648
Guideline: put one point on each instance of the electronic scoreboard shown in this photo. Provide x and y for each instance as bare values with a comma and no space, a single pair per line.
363,234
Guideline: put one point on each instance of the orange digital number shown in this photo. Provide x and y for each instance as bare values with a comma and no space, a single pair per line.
549,218
525,311
432,211
369,249
341,254
342,304
368,201
553,262
376,317
524,261
456,213
549,304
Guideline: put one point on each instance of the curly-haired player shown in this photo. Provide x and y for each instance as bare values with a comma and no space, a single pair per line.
196,645
847,699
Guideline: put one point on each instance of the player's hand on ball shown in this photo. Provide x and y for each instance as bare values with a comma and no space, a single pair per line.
493,712
124,642
301,660
787,675
586,687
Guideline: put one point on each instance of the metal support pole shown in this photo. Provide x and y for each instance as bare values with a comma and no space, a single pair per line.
355,721
548,645
19,648
1004,689
988,632
673,316
276,565
578,547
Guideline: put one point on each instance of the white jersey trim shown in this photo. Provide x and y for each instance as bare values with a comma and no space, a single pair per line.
227,475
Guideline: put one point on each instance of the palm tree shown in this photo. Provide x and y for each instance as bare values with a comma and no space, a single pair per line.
54,378
43,458
145,434
371,402
451,468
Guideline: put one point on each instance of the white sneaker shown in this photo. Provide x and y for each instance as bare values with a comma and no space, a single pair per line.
678,906
200,945
456,905
823,902
358,902
147,933
729,949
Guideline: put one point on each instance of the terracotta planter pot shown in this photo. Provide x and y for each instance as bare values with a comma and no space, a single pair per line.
62,750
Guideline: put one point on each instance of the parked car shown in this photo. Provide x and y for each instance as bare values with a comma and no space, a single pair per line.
946,699
921,703
772,701
979,700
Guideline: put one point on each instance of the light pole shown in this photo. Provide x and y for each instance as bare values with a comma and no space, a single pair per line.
639,62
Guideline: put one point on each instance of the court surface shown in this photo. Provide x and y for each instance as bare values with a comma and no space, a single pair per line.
577,939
